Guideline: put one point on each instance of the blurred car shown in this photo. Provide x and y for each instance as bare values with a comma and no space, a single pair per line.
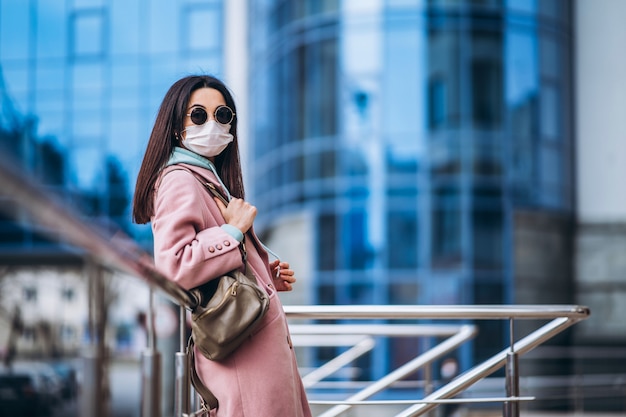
43,380
48,383
19,396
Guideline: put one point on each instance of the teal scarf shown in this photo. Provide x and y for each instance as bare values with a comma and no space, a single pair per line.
184,156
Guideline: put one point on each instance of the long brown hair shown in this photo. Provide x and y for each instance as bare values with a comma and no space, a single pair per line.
163,140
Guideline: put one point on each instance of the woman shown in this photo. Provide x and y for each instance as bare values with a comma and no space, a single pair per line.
197,238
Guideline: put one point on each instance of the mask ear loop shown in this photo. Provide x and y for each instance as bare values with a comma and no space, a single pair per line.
178,134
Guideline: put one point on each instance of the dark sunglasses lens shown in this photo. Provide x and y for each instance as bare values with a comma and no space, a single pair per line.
223,115
198,116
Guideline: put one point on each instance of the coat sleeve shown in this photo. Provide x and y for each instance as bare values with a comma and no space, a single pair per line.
190,247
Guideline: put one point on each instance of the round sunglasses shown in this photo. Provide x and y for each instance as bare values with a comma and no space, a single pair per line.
222,114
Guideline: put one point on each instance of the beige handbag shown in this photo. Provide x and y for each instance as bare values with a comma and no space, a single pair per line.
228,311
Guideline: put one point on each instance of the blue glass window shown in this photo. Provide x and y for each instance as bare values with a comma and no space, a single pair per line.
550,113
87,33
402,237
327,242
487,93
203,29
14,29
355,236
127,15
50,30
437,103
488,238
446,227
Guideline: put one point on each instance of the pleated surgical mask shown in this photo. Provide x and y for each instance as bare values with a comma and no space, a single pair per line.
208,139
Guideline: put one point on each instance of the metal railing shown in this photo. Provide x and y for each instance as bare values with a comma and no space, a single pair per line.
107,249
561,318
121,253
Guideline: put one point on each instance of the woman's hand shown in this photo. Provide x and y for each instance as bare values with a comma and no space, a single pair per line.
238,213
283,276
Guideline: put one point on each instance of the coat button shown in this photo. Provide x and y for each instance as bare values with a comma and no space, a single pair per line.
218,246
226,243
211,249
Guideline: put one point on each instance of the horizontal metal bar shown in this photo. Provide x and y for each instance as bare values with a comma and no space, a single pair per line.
328,340
436,312
410,402
397,330
353,385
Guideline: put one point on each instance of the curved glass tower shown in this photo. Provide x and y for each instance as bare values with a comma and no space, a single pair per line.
411,133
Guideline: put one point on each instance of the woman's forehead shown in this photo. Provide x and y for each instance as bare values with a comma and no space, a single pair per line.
206,97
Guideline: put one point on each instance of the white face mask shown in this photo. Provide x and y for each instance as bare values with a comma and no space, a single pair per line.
208,139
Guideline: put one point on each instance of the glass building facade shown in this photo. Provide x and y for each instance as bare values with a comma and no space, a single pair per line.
81,80
411,131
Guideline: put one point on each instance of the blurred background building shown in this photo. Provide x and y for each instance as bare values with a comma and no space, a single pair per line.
427,144
399,151
80,83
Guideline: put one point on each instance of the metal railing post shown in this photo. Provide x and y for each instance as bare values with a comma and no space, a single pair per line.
151,370
93,398
182,395
511,408
91,387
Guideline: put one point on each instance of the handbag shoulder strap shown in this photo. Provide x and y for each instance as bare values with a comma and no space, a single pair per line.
208,399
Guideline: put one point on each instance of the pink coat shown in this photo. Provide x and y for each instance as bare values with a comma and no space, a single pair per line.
261,377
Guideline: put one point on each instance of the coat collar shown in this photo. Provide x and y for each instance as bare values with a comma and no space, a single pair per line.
185,156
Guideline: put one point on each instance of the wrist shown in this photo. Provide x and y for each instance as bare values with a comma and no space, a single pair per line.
234,231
